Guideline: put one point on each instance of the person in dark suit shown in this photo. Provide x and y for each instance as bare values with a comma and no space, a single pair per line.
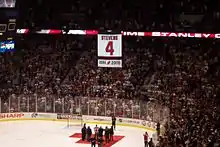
100,142
89,133
100,132
111,133
107,134
158,129
151,144
114,122
93,142
83,131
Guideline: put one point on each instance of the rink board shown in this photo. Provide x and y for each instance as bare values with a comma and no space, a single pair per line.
127,122
75,122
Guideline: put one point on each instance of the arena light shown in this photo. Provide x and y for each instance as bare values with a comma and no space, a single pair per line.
126,33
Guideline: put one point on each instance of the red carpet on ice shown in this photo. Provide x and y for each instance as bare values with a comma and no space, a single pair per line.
116,139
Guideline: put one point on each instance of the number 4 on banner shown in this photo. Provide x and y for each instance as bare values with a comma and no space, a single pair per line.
109,48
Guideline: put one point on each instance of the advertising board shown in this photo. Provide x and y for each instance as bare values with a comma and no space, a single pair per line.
74,117
11,115
43,115
68,116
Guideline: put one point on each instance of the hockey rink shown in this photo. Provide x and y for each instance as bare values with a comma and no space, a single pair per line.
56,134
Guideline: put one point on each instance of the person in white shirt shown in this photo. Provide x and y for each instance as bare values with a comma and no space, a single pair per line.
96,130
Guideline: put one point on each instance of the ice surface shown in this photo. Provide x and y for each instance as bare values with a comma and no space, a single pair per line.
56,134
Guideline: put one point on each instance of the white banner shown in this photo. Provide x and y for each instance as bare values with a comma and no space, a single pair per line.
109,63
109,45
97,118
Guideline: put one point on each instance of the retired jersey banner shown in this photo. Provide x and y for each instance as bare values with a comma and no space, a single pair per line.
109,45
109,50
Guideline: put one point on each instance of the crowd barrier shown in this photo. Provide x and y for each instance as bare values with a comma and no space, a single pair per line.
93,106
135,113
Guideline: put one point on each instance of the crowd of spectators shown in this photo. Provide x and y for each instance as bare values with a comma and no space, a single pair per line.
159,15
186,80
170,80
167,80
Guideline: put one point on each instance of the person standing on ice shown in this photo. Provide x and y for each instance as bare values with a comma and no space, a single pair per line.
107,134
151,144
100,142
89,133
83,131
146,139
158,129
111,133
96,131
114,122
93,142
101,130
